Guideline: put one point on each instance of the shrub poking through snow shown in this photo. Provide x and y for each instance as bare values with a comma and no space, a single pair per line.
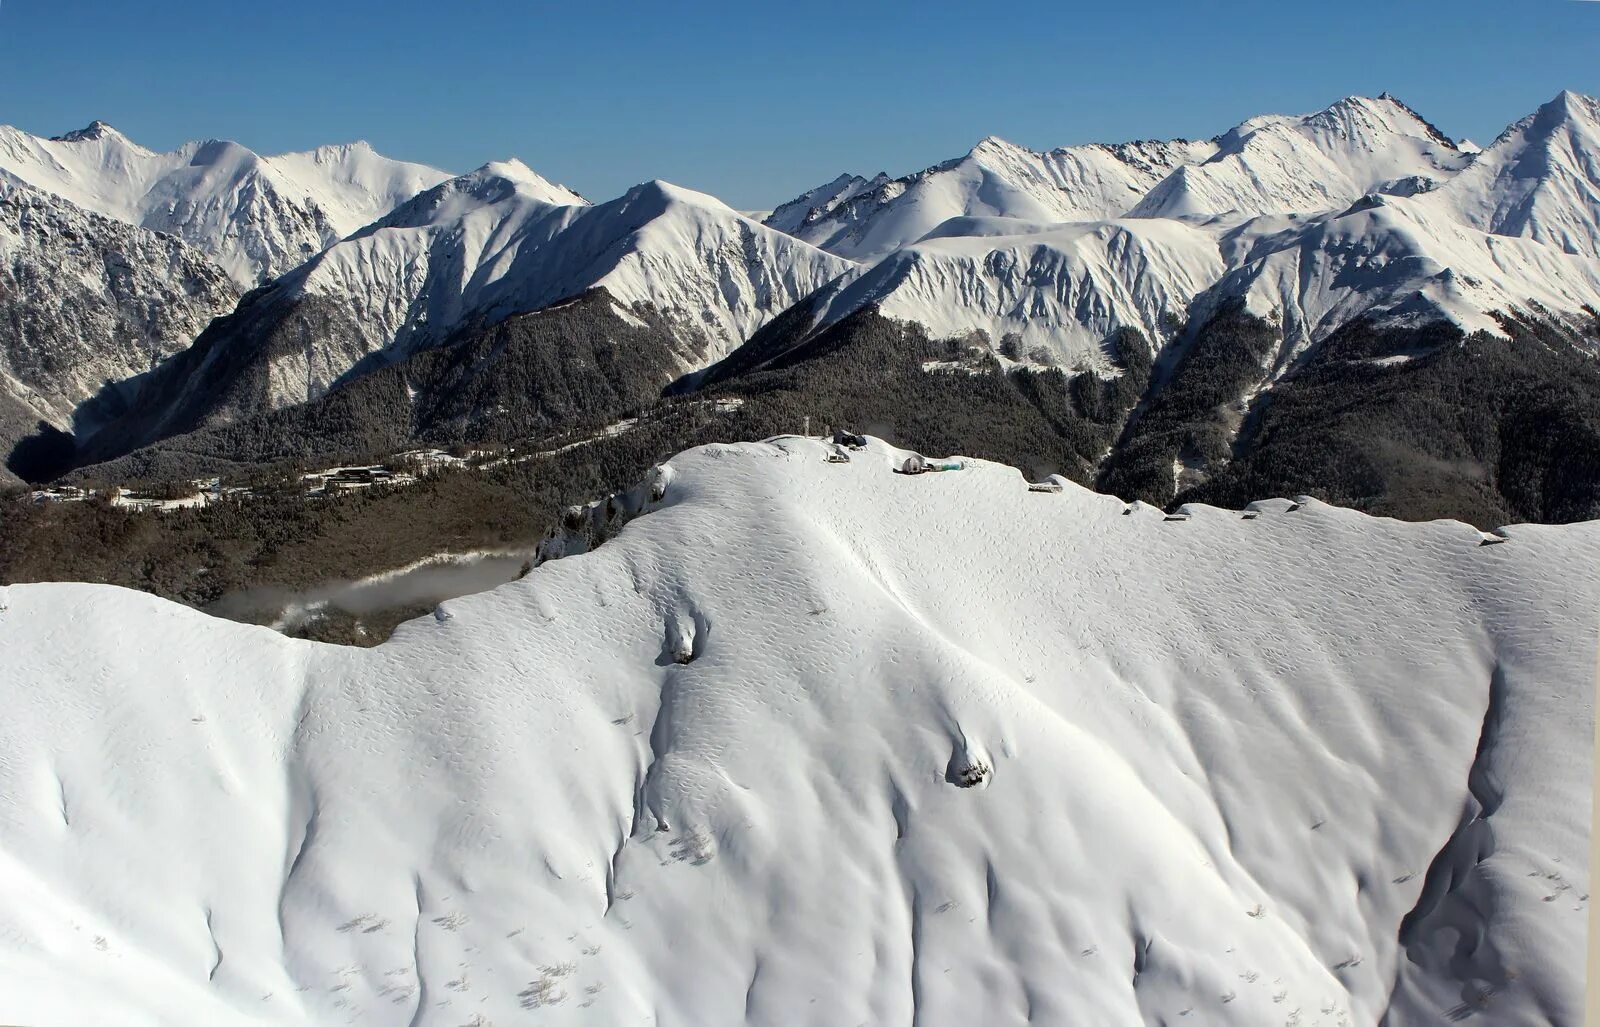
972,774
680,640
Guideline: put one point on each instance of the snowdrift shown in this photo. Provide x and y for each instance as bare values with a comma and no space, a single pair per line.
817,743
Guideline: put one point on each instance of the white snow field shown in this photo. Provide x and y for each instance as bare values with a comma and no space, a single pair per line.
1305,767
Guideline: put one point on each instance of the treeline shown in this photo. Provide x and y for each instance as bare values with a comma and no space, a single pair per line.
1481,429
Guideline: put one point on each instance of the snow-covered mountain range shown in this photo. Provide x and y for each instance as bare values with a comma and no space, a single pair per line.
821,743
502,240
1361,210
473,251
1362,213
256,216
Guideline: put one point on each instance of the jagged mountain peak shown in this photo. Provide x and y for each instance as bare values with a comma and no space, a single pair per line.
993,144
1540,178
518,175
995,178
1376,116
93,132
815,204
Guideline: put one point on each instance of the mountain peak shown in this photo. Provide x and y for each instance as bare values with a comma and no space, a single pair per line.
662,193
1569,105
92,132
1390,112
513,174
994,144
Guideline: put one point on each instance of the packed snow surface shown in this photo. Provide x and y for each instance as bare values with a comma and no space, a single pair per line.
818,743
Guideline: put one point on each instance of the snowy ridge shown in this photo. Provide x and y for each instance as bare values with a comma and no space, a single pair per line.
997,179
256,216
502,240
1310,766
1397,261
1060,289
815,204
1277,164
1362,210
1063,289
1540,179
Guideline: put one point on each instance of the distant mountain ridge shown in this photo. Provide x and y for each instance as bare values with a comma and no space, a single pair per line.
473,251
1175,288
256,216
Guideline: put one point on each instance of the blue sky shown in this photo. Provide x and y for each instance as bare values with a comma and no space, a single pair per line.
756,101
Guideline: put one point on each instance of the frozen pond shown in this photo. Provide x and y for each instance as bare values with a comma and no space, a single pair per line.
425,583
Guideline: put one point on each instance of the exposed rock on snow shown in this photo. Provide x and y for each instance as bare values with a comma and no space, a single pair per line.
87,300
1237,768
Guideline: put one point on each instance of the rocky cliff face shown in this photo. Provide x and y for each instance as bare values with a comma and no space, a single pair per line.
87,301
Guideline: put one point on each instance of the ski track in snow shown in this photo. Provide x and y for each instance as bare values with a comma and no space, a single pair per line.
1261,770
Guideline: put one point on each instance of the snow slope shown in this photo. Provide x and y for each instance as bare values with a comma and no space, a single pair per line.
1309,767
1062,289
995,179
1057,288
502,240
1276,163
1540,179
256,216
1400,261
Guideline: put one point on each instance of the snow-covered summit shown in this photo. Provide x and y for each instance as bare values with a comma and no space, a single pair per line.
818,742
502,240
1540,179
815,204
1268,164
95,131
1275,164
472,251
256,216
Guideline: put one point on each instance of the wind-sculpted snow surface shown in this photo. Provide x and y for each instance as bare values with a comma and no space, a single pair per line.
817,743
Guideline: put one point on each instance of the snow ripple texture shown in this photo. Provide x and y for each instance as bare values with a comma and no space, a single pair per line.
814,743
